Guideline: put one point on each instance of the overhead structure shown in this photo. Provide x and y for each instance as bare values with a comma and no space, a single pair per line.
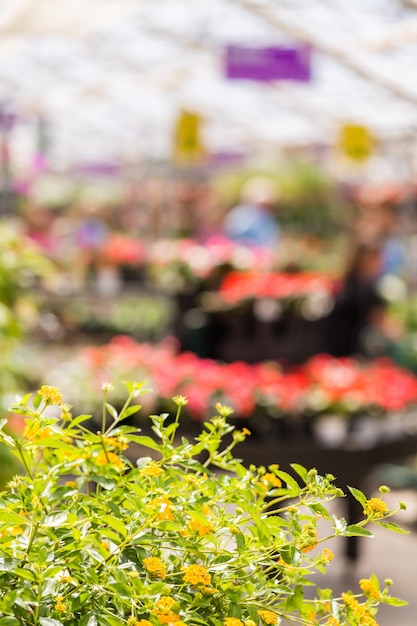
110,77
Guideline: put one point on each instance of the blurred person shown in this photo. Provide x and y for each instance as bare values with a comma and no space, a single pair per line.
358,306
251,222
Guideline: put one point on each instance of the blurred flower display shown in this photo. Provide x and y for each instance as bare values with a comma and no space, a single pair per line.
323,385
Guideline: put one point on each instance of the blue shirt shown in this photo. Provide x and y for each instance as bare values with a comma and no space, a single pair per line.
252,226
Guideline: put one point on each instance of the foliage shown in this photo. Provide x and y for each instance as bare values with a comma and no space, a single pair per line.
184,536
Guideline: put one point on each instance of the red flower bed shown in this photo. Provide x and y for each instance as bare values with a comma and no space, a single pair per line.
238,286
322,384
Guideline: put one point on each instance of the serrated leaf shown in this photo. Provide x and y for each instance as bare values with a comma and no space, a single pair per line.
353,530
292,485
358,495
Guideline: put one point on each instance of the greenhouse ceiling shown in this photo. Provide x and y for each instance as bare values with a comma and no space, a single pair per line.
110,77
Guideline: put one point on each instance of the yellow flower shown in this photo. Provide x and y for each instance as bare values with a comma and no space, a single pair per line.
60,605
71,483
310,541
66,578
249,622
155,566
132,621
232,621
270,480
197,575
327,555
165,603
369,588
151,469
200,528
164,505
50,395
268,617
332,621
34,432
375,507
109,458
180,400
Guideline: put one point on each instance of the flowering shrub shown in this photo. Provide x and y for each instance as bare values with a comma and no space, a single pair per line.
323,384
91,535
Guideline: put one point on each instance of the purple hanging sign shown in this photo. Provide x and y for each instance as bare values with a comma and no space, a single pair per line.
268,63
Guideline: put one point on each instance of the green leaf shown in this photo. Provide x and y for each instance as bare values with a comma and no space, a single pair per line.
339,524
56,519
391,601
353,530
11,518
393,526
301,471
131,410
49,621
9,621
292,485
115,523
37,400
296,599
319,509
112,410
146,441
25,573
104,482
78,420
240,542
358,495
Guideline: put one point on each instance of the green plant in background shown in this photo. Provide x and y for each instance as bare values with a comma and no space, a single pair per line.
185,536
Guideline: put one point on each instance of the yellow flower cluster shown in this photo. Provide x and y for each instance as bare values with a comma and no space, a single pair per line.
118,443
201,528
50,395
164,505
268,617
109,458
155,567
359,610
270,480
327,555
310,538
60,605
369,588
332,621
197,575
375,507
35,432
163,611
152,469
132,621
232,621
